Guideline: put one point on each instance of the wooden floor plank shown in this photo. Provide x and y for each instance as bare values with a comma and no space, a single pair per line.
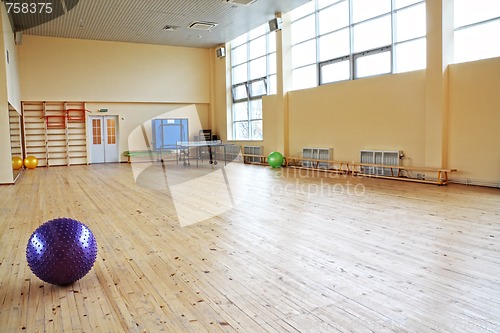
299,252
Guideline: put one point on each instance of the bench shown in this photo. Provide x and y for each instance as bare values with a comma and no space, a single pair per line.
396,172
247,158
139,153
297,162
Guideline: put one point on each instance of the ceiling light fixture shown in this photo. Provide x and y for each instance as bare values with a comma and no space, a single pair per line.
203,25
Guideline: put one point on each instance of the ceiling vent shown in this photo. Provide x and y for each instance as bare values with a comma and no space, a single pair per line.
203,25
170,27
241,2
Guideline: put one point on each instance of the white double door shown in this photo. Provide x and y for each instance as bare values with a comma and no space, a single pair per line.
103,134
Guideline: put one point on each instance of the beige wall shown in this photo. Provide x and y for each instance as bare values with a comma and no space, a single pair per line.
9,90
474,134
383,112
58,69
131,116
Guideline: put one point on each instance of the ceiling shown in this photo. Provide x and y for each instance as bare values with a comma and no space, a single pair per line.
143,21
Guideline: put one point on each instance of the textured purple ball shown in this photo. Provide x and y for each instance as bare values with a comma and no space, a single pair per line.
61,251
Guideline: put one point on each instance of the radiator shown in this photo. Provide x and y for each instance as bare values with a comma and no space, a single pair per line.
317,154
385,157
253,150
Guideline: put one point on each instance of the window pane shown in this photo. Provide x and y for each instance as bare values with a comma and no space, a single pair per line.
379,63
272,88
334,45
256,110
240,111
241,130
239,40
302,11
240,73
257,47
325,3
410,23
256,129
258,88
303,29
272,63
257,68
373,34
404,3
240,92
304,54
472,11
305,77
239,54
337,71
365,9
333,18
411,56
478,42
272,42
259,31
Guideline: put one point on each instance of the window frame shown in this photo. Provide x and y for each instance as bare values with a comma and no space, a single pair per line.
352,56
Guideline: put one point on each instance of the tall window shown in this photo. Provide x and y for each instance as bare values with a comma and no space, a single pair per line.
477,29
336,40
253,68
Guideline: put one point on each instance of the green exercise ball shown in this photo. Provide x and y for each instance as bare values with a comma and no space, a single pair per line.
275,159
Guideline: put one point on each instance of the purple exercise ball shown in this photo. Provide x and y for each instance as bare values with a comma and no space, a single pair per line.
61,251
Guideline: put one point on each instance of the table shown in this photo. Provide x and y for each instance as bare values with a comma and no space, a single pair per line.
183,151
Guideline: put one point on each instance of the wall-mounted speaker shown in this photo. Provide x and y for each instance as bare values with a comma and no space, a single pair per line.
18,37
220,52
275,24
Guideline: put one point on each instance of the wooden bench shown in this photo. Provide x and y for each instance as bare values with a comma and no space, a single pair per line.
297,162
396,172
247,157
138,153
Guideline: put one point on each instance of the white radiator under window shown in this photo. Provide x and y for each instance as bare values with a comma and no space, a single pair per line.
385,157
317,154
253,150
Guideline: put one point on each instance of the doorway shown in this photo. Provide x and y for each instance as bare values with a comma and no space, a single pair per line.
103,134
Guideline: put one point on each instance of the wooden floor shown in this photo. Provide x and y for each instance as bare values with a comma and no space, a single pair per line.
297,253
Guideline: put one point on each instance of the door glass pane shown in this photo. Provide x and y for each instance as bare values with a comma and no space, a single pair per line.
111,127
373,34
96,132
375,64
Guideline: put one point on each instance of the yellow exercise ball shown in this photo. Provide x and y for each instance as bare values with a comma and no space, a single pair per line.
30,162
17,162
